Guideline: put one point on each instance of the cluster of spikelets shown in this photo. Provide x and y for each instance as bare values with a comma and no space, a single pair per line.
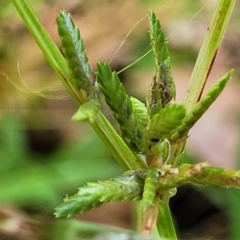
155,131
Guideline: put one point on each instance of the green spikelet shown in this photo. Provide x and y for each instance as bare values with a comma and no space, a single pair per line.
87,111
200,173
75,55
150,187
164,122
124,108
162,90
128,187
202,105
140,109
174,177
217,177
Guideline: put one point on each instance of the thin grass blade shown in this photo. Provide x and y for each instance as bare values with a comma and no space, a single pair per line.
202,106
208,52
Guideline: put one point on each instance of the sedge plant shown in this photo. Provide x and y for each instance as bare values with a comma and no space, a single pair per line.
153,133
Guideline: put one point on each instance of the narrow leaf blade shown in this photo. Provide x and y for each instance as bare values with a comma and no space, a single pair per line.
202,106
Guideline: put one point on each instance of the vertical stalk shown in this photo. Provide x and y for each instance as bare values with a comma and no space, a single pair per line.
206,57
208,52
45,43
115,144
165,224
149,218
202,68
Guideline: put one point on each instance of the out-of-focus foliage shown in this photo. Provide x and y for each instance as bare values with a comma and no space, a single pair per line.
71,229
27,179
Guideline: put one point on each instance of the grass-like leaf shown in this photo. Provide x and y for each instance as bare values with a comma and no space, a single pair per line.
208,52
202,106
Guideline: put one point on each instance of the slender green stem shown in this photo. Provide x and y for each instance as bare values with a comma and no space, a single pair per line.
45,43
206,59
165,224
109,136
197,82
116,145
208,52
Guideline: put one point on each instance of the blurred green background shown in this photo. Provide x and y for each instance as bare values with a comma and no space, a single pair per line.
44,155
